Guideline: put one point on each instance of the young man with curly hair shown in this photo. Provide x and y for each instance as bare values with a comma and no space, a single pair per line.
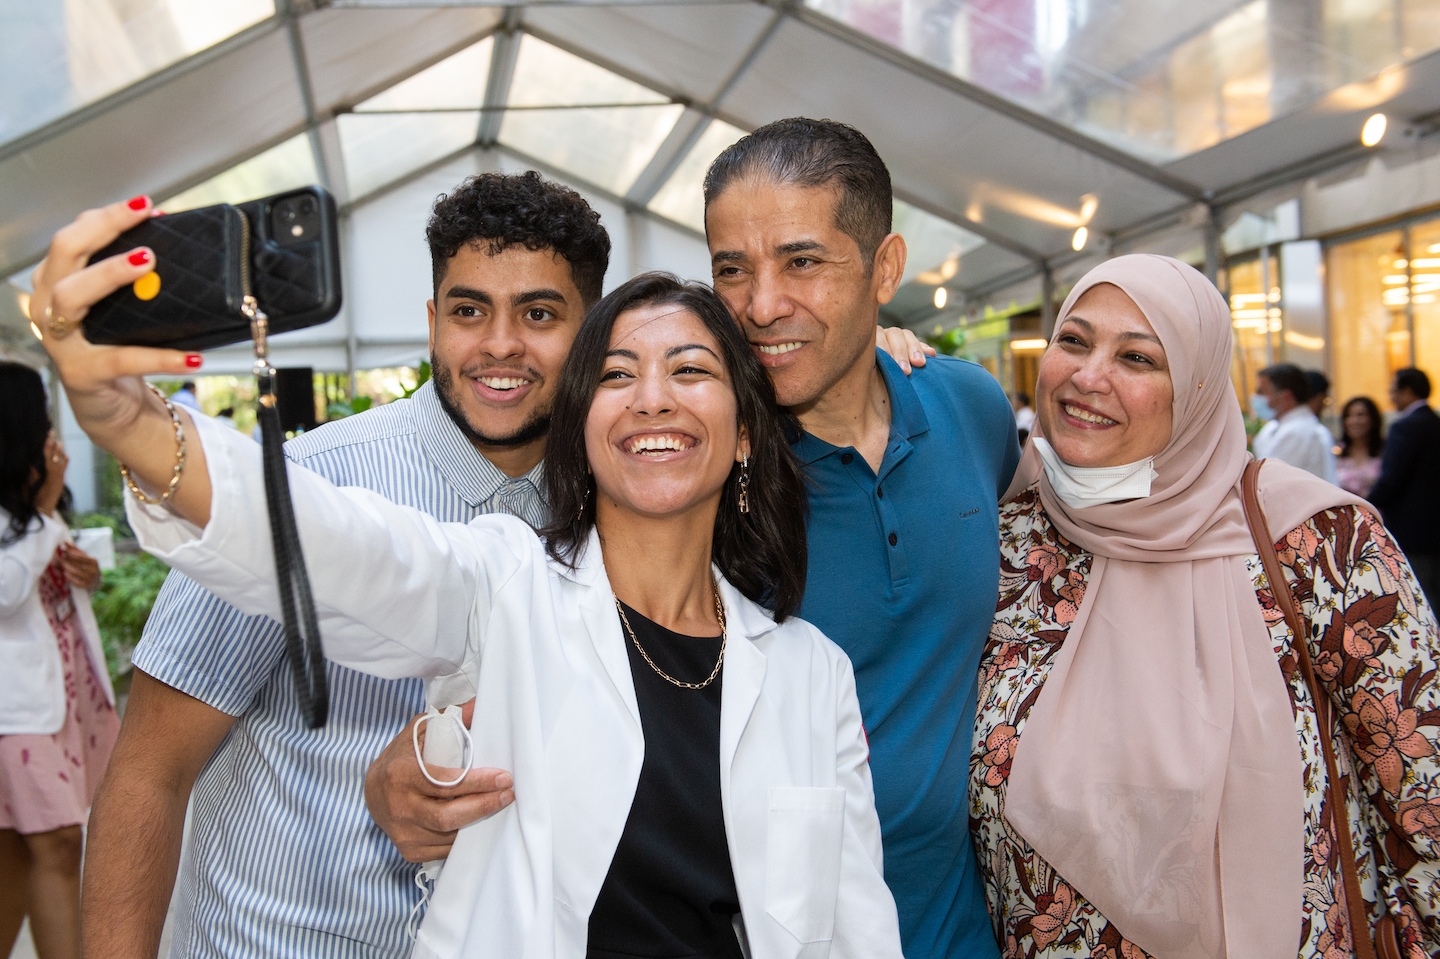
284,860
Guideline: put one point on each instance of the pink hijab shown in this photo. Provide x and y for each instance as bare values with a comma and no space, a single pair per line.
1159,772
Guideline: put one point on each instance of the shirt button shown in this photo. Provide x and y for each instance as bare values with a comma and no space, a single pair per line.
847,458
880,492
894,539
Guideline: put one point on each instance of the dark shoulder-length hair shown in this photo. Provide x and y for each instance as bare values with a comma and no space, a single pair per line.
24,425
1374,442
762,552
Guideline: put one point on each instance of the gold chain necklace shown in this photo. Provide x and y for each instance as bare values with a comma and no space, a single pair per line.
724,635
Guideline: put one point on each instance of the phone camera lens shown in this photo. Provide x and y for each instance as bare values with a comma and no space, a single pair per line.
307,207
287,213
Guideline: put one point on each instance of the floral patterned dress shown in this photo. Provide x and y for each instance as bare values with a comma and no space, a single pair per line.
47,781
1375,650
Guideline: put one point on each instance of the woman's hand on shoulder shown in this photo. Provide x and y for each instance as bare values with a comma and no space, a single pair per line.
103,382
903,346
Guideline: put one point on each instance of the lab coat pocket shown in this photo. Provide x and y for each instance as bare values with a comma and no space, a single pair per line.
802,859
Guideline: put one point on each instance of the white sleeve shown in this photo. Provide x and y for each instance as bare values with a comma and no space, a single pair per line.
22,562
866,922
397,593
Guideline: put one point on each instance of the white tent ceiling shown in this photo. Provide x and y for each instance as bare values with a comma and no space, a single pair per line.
997,118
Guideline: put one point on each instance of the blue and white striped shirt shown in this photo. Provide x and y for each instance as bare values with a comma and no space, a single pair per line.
283,858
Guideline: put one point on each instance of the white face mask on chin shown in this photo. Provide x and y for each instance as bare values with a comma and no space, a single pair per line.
1079,487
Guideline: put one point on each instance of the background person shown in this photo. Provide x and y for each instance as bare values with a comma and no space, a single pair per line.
663,421
1318,402
57,713
185,396
1408,489
1357,462
1024,416
515,261
1147,591
1293,435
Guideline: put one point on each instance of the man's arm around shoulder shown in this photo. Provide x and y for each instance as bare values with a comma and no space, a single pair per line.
132,849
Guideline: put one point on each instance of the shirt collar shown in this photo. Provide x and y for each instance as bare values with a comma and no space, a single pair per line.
1413,407
473,476
907,414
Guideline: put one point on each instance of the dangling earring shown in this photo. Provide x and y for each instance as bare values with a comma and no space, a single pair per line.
584,498
744,503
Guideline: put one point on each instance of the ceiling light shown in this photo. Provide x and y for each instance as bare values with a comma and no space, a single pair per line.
942,296
1026,346
1077,242
36,330
1373,131
950,267
1401,264
1089,203
1433,248
23,299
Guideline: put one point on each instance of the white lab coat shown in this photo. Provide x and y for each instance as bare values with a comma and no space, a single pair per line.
32,695
480,610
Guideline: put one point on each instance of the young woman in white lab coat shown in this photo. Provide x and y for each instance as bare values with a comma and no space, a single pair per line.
689,765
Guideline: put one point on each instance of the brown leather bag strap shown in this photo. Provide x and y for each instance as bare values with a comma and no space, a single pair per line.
1339,811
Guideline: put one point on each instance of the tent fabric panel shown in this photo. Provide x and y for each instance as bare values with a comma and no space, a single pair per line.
688,48
455,83
1331,124
152,143
355,53
942,148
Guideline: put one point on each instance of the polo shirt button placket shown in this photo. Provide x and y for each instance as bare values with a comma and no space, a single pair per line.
894,539
847,458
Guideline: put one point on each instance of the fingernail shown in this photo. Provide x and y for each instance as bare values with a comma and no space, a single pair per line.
139,258
193,360
138,203
503,781
917,356
506,798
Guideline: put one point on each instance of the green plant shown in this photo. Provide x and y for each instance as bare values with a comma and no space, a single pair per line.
421,379
122,605
342,409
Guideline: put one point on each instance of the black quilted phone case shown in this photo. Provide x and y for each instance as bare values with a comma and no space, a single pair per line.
197,260
199,257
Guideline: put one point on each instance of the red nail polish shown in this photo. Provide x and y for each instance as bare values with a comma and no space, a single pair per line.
193,360
139,258
138,203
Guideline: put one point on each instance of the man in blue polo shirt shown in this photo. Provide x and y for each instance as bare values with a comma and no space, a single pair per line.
905,474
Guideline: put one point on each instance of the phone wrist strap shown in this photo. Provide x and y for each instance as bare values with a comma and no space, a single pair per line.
297,605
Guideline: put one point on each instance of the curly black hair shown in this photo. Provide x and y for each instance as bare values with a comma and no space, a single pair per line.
522,209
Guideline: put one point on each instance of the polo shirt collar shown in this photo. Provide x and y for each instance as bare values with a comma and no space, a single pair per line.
907,415
473,476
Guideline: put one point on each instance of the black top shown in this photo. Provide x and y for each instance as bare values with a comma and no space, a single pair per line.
670,891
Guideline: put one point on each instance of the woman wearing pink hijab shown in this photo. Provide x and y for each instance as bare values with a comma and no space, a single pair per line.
1148,776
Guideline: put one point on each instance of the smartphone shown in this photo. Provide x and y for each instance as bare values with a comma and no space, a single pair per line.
283,249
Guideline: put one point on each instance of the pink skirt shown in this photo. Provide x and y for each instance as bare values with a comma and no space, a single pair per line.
47,782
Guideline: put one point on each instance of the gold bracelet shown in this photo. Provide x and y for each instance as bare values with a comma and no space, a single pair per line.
179,458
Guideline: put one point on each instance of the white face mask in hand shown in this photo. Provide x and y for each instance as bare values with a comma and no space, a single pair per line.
1079,487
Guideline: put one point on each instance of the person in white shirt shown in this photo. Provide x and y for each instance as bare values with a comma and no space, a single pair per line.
729,815
1293,434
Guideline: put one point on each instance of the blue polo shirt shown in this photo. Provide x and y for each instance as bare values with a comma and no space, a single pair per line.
904,571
